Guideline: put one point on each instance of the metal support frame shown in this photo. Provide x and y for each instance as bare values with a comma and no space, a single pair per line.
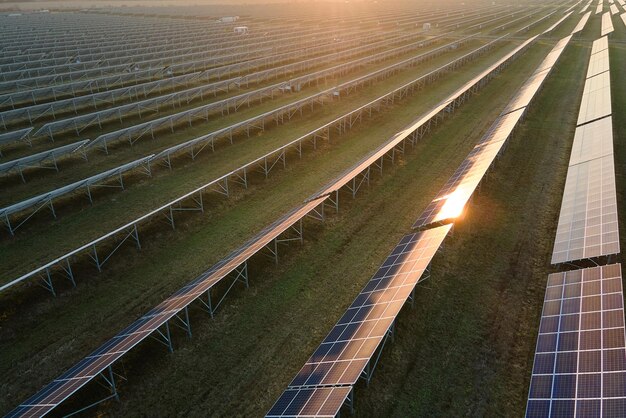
46,277
240,275
169,214
108,381
133,233
272,247
368,372
183,322
164,336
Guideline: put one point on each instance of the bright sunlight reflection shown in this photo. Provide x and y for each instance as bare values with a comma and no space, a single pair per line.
455,202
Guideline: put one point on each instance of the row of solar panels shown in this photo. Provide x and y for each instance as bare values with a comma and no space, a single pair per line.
347,354
183,43
579,368
417,252
46,90
607,24
202,43
275,35
152,36
90,28
588,225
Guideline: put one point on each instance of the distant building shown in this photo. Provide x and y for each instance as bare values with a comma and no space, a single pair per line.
241,30
228,19
426,26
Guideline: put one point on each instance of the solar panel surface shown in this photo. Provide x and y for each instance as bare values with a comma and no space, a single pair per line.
580,360
596,100
582,23
607,24
310,402
598,63
600,45
593,140
588,224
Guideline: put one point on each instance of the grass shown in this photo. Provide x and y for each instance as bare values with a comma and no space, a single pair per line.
138,283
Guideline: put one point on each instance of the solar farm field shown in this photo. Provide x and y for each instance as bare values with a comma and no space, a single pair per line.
316,209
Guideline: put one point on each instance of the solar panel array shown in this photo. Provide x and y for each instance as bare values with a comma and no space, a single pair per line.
453,197
38,159
342,358
322,402
422,123
580,362
83,121
588,225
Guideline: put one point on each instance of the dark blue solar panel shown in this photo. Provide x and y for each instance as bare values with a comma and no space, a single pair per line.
562,408
538,409
566,362
541,386
564,386
544,363
589,385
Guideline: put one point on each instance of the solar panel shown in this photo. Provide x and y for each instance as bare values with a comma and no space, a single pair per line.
596,100
453,197
614,9
580,360
37,202
599,8
593,140
554,55
582,23
14,136
623,16
607,24
588,225
599,45
598,63
345,352
310,402
40,157
525,94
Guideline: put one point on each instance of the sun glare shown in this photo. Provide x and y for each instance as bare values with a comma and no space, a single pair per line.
453,208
